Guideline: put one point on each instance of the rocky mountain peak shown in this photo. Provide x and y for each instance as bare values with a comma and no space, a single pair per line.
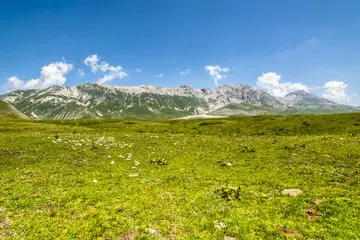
101,100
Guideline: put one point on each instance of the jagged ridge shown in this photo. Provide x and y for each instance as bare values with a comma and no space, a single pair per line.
103,101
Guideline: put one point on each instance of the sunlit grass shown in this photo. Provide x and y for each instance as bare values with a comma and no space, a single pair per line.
107,179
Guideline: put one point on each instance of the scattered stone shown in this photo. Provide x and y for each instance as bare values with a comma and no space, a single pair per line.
133,175
293,192
130,235
152,231
229,238
220,225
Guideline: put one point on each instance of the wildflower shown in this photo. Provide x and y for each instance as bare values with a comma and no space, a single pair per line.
137,163
109,156
112,162
95,181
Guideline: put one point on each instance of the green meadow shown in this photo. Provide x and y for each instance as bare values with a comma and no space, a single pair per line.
181,179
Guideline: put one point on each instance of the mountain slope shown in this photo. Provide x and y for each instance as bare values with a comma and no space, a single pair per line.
304,102
147,102
8,110
244,109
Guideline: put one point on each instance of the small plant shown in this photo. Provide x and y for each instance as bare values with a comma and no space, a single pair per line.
158,162
226,164
229,193
246,149
353,134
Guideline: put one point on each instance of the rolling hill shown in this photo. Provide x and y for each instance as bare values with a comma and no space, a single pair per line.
9,110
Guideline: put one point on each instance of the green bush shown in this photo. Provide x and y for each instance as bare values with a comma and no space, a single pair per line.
158,161
229,193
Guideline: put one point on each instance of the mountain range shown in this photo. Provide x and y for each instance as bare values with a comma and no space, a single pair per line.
148,102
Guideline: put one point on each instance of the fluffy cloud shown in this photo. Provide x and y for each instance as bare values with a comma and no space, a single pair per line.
14,83
161,75
271,82
110,71
138,70
336,90
185,72
81,73
52,74
92,62
217,73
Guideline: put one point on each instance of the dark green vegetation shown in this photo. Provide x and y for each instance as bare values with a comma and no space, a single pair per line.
194,179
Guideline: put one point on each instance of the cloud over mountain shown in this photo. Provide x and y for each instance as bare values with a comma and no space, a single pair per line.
111,72
336,90
52,74
217,73
271,82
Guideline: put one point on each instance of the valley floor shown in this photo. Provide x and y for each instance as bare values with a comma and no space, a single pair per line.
122,179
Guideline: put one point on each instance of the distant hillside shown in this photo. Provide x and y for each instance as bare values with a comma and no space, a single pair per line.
148,102
9,110
245,109
307,103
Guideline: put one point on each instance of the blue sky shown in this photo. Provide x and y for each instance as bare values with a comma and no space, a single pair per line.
278,45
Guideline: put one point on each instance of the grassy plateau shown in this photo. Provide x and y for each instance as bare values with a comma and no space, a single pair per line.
181,179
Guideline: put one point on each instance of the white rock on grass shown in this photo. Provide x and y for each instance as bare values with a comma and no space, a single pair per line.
293,192
220,225
229,238
132,175
152,231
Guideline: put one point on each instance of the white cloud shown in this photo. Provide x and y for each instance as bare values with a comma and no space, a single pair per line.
92,62
81,73
336,90
14,83
138,70
217,73
110,71
271,82
52,74
185,72
161,75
